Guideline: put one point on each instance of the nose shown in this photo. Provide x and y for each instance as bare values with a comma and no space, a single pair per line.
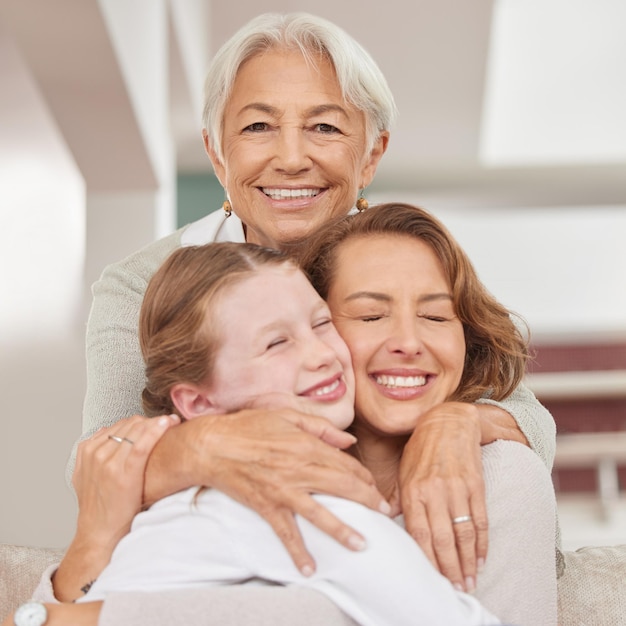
292,156
406,336
318,354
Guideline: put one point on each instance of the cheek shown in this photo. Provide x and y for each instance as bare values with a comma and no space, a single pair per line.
455,355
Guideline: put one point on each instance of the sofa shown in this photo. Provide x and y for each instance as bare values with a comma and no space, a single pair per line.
591,588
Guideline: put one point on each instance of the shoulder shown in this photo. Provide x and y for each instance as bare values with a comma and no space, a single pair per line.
135,270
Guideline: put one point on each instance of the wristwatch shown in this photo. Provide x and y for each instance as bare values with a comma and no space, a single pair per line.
30,614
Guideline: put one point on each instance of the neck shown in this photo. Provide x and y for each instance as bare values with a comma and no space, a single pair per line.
291,248
381,455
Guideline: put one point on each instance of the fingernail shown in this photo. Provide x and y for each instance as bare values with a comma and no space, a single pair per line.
458,586
307,571
470,584
356,542
385,507
480,564
164,421
174,417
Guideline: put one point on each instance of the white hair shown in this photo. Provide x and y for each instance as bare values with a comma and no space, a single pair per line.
360,79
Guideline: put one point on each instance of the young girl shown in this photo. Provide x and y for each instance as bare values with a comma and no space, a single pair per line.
222,327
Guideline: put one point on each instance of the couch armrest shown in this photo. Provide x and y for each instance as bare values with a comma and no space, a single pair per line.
591,590
21,568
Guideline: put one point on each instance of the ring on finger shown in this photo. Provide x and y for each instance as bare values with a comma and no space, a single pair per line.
461,519
121,439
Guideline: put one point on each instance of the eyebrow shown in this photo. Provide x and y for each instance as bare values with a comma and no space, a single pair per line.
312,112
381,297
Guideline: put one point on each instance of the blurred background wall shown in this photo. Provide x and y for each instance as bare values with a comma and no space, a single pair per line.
512,130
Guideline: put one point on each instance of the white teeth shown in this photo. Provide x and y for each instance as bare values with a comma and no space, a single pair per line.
281,194
401,381
322,391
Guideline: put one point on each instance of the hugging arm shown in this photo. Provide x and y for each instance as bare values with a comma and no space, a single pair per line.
441,475
109,485
246,454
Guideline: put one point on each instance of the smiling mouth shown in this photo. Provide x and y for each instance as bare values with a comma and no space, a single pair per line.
325,390
276,193
400,382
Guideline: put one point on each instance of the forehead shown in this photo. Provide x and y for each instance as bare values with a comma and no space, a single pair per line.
264,293
272,71
386,260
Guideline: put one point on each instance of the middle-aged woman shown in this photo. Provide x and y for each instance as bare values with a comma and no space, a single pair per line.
296,119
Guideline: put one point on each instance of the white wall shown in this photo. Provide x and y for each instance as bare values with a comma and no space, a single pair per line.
62,221
42,234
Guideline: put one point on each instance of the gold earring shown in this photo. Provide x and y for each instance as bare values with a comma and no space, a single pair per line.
361,204
227,208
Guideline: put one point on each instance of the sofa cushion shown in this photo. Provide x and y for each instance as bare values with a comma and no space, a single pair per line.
21,568
592,588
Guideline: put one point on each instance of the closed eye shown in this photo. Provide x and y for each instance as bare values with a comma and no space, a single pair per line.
276,342
321,323
371,318
434,318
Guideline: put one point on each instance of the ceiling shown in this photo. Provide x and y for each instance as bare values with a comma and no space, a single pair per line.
439,59
436,57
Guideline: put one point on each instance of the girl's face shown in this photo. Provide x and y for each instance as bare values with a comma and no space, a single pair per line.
392,305
277,337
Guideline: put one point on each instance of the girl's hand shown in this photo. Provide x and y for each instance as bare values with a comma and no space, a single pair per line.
441,479
108,479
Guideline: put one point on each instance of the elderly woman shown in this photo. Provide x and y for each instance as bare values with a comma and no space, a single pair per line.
297,117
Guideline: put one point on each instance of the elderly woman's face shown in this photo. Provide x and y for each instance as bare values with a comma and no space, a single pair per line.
392,305
294,150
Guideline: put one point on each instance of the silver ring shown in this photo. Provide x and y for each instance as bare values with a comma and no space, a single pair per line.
118,439
461,519
130,441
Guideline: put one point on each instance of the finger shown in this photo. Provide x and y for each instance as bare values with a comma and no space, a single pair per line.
481,526
321,428
466,545
416,524
285,527
445,548
346,478
311,510
136,437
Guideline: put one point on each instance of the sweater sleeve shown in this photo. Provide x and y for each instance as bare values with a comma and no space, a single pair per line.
518,582
533,419
115,368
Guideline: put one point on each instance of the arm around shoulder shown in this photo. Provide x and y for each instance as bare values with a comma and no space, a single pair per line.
533,420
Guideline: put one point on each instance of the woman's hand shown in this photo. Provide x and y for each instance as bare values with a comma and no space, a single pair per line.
441,479
271,461
109,480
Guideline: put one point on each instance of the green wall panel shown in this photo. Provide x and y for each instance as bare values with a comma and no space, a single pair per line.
197,195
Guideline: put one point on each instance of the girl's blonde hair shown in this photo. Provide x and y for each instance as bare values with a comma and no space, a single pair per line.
178,341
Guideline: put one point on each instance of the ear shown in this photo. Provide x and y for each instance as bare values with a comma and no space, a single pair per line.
218,166
375,156
192,400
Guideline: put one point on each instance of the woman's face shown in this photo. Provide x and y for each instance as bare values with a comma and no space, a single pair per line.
392,305
277,337
294,150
